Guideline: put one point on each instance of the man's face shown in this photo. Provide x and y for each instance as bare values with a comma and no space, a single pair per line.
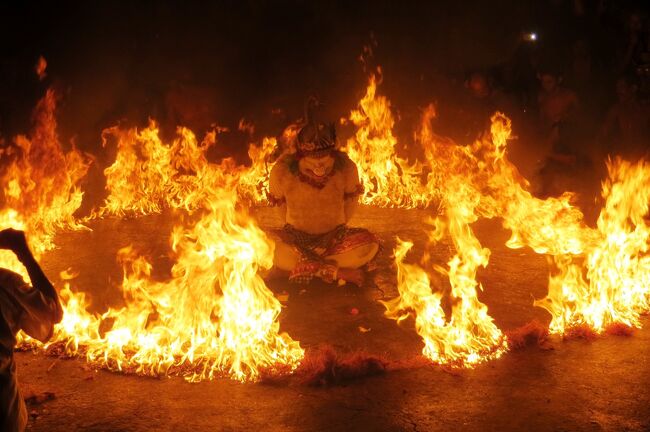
478,86
624,91
317,166
549,82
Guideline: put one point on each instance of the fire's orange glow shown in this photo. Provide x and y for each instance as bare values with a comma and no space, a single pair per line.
469,336
41,66
215,316
254,181
40,184
610,284
388,180
149,175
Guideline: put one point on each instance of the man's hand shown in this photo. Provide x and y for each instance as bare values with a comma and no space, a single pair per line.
48,312
353,276
13,240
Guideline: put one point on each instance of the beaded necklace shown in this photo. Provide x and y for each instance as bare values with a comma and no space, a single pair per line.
316,183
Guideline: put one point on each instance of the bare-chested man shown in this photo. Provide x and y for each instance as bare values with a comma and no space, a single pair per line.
557,111
557,105
317,190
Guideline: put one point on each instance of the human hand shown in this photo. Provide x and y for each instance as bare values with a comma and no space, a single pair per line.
353,276
13,240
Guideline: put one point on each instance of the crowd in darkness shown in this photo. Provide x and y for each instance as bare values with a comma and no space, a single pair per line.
578,86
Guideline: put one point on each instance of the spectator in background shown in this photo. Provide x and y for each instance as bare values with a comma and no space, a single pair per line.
481,102
626,130
637,50
557,107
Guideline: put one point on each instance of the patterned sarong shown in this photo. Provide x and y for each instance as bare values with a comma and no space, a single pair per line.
314,248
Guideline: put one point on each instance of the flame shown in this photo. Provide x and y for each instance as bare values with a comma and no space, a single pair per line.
149,175
254,181
611,283
40,184
41,66
469,336
601,274
388,180
213,317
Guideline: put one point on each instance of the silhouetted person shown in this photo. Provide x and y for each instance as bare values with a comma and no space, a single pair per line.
635,57
637,48
626,130
34,309
557,121
481,101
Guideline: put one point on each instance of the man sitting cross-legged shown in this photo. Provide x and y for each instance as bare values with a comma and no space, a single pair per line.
317,189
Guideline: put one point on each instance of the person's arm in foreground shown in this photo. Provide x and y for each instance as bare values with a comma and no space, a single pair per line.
40,303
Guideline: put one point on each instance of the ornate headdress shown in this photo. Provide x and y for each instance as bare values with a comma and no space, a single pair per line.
315,138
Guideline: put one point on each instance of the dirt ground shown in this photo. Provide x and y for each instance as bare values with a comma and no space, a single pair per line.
579,385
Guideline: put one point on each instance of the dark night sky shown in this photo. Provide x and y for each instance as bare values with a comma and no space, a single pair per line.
121,60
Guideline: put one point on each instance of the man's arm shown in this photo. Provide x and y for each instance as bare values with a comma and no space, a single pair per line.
276,190
352,189
41,304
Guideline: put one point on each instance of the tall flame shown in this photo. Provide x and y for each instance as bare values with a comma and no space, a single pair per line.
388,179
40,184
214,317
611,283
469,336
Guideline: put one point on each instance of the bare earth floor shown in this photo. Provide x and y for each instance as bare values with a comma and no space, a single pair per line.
602,385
